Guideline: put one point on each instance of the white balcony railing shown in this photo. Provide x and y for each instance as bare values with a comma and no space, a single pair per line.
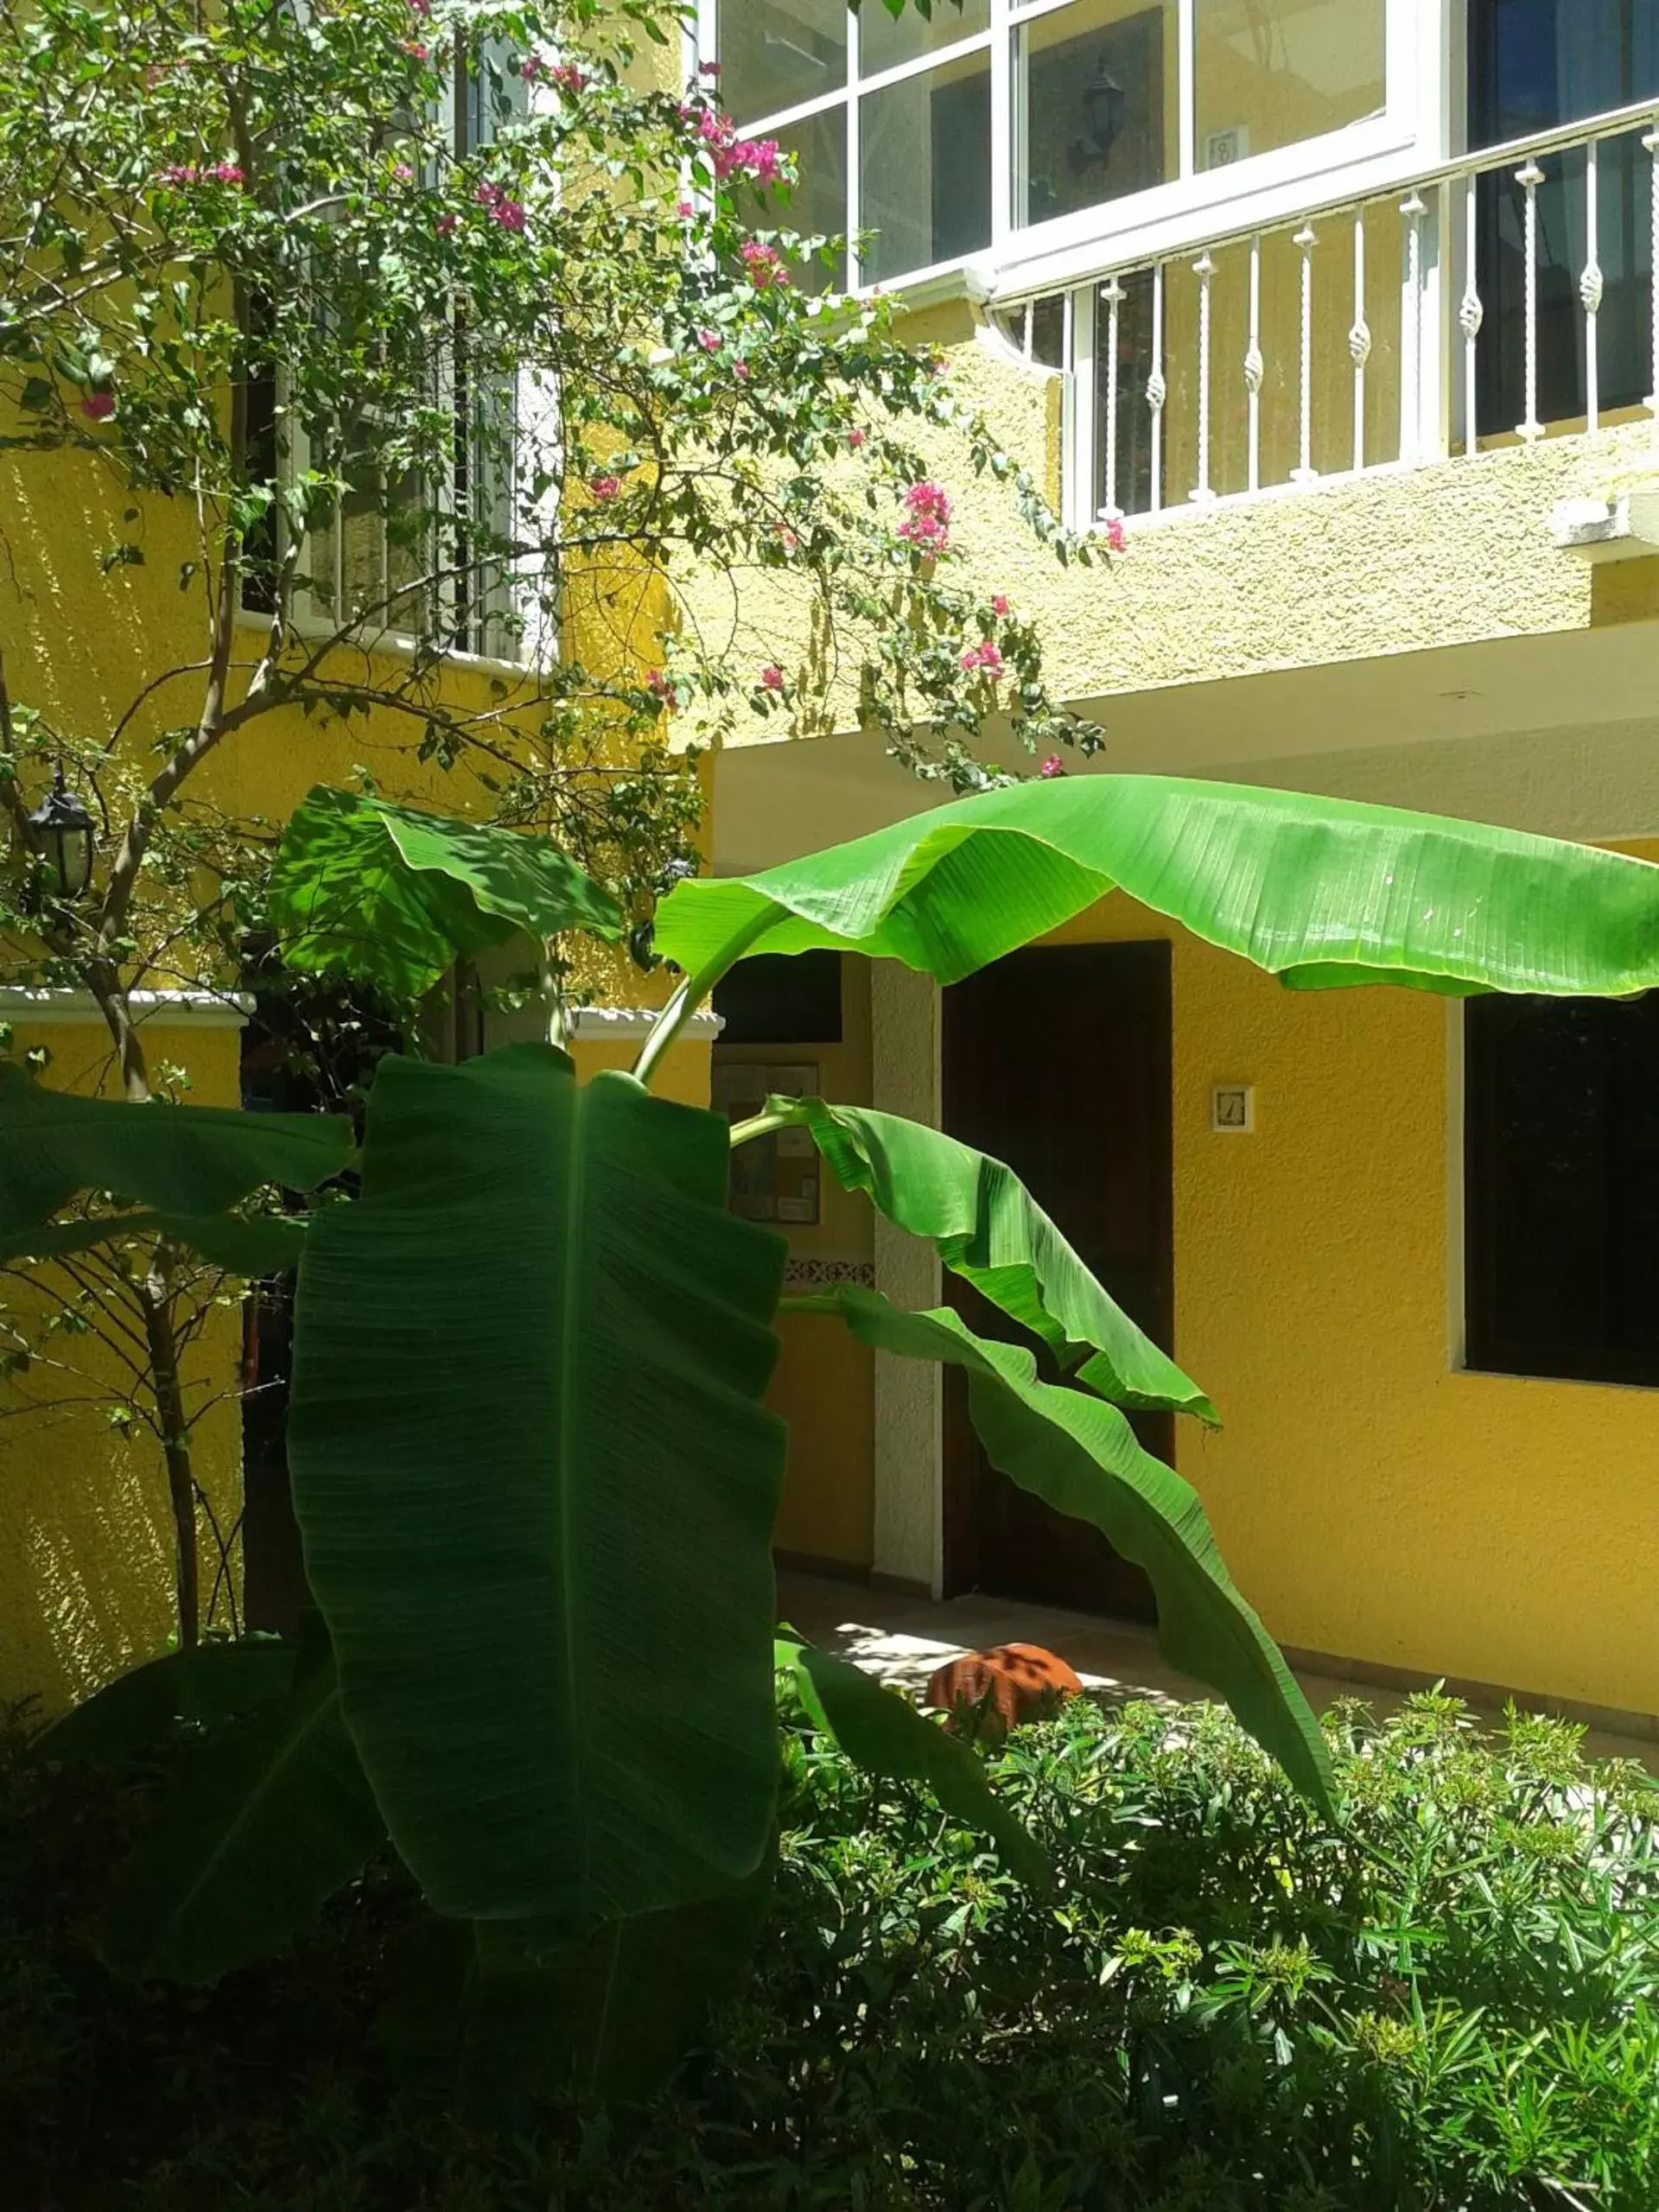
1506,295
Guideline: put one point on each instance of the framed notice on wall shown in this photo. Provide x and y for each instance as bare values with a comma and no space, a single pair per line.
775,1177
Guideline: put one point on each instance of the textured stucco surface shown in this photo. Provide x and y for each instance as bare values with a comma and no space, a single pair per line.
86,1535
1372,1500
84,1553
825,1383
1353,569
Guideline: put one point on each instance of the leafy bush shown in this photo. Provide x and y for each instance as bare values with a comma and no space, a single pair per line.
1453,2002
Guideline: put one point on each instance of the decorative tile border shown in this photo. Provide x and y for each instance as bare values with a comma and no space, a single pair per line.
823,1274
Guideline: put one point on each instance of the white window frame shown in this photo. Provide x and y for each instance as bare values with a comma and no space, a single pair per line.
502,651
1414,132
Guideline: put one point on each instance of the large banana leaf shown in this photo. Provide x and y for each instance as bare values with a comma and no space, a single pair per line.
537,1486
249,1244
989,1229
260,1825
202,1688
1079,1455
506,2012
1319,891
611,2015
882,1730
185,1160
392,895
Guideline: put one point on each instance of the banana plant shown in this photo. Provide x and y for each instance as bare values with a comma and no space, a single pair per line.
534,1474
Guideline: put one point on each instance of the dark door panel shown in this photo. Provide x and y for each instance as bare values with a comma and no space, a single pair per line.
1057,1060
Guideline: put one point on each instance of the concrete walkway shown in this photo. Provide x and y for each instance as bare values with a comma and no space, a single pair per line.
903,1639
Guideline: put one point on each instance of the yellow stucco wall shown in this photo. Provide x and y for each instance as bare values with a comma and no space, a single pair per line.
85,1534
1454,553
825,1384
85,1549
1372,1501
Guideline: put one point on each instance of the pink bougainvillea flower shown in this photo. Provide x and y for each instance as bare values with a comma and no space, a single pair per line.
227,173
568,78
999,603
772,678
446,225
855,439
416,52
1051,768
500,207
661,688
707,68
604,488
762,159
683,208
764,267
180,173
709,341
402,173
531,66
740,371
97,406
1114,535
420,7
927,519
985,657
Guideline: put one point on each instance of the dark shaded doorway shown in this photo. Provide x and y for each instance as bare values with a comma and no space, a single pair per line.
1057,1061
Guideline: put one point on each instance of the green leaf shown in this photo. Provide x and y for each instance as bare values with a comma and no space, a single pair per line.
988,1229
611,2016
202,1689
259,1244
188,1160
393,895
260,1826
1079,1455
537,1487
882,1731
1319,891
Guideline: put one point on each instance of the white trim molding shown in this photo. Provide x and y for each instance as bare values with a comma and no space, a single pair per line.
589,1024
64,1008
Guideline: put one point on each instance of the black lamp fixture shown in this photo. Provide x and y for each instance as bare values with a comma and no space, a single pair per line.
62,833
1104,101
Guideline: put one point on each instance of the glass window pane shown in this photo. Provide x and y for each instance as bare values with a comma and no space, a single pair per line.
924,168
774,54
818,207
1096,113
1533,63
1272,73
884,41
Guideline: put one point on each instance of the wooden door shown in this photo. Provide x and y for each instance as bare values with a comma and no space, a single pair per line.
1057,1060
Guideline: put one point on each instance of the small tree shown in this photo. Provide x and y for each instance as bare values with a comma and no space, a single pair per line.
444,333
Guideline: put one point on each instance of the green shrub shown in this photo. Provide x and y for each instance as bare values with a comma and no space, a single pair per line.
1450,2002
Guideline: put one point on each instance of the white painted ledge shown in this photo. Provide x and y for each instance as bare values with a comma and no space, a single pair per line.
177,1010
1622,529
625,1023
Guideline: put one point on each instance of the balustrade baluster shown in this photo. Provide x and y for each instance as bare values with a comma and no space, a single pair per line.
1592,284
1157,388
1472,312
1359,340
1651,143
1255,367
1114,294
1530,179
1306,238
1204,268
1413,208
